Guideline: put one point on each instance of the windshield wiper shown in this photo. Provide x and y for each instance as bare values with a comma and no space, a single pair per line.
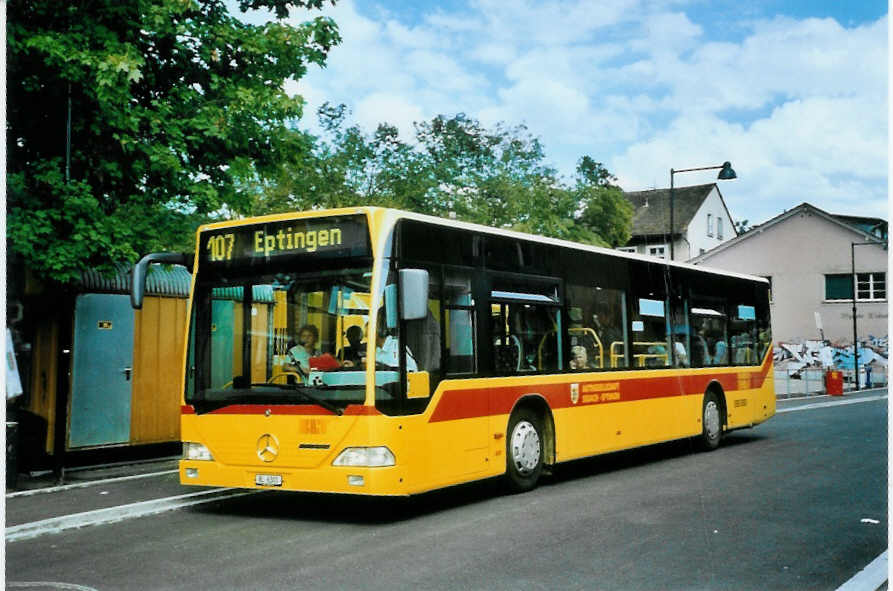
299,389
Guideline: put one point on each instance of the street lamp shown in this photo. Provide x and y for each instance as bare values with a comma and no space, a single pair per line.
853,246
726,173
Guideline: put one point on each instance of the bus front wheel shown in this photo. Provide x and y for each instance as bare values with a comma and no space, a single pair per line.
524,450
711,421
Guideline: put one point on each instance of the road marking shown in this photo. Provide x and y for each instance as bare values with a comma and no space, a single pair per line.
45,584
834,403
870,577
55,525
52,489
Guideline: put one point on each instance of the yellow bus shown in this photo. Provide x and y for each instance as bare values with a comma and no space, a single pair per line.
379,352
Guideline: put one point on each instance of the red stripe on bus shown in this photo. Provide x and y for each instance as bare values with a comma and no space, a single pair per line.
480,402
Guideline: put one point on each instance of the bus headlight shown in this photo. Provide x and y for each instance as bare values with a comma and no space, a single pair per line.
369,457
196,451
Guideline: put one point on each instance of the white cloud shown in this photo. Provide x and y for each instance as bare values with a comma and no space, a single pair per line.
825,142
798,106
818,150
391,108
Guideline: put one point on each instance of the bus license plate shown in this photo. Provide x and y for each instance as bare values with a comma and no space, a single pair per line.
268,480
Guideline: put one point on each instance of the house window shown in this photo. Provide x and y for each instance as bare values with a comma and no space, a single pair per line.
839,287
710,224
719,228
627,249
871,286
769,279
658,251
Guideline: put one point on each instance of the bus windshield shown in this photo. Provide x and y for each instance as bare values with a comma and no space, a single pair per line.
281,338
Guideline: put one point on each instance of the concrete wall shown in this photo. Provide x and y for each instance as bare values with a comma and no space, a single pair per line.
797,253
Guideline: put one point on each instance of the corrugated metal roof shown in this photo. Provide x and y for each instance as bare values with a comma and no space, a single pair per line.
164,280
259,293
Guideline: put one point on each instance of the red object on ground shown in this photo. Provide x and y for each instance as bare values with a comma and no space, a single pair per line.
834,382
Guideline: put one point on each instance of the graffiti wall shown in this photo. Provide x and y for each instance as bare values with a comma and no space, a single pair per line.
794,357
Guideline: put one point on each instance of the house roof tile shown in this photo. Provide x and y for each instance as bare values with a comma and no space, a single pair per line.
652,208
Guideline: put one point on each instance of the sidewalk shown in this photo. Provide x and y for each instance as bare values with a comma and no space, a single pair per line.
794,395
110,492
45,479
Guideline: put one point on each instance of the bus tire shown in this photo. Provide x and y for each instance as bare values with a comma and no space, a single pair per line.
711,421
524,450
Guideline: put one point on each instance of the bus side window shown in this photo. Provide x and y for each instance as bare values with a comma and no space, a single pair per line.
707,319
423,335
742,327
764,329
650,346
525,337
459,323
596,320
681,332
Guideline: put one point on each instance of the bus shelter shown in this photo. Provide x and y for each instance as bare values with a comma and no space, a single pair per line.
101,375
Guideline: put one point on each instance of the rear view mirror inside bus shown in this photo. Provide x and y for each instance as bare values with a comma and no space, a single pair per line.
413,294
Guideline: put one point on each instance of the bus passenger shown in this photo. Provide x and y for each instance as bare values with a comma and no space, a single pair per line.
306,348
579,357
387,353
608,331
721,356
679,352
355,352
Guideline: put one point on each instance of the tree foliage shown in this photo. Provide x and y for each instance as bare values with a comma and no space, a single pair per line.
606,212
453,166
177,113
176,107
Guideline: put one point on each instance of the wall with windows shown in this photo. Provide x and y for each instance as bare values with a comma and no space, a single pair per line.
807,255
710,227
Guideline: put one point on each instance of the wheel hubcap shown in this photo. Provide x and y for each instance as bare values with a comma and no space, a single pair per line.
525,446
711,419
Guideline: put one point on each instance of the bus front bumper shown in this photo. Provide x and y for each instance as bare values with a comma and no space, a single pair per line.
382,481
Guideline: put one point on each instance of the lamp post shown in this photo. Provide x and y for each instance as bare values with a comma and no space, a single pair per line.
853,246
726,173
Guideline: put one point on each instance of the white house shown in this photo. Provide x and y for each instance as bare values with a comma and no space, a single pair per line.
701,221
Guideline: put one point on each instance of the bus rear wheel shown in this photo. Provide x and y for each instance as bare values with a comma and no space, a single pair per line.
711,422
524,451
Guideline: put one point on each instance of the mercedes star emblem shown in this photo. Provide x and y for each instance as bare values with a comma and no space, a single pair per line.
267,447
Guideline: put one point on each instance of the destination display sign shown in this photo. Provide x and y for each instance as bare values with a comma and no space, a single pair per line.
335,236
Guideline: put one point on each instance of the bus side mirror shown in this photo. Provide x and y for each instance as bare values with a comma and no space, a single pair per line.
140,270
413,294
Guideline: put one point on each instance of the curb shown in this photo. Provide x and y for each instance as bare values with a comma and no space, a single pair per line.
56,525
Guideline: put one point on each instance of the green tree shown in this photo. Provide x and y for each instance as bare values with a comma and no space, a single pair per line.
496,176
177,111
606,212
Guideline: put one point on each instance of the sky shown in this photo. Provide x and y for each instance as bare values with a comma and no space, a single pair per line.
792,93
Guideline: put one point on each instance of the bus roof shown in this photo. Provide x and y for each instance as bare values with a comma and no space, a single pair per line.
391,216
400,214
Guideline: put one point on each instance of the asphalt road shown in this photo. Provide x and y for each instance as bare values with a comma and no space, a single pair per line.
791,504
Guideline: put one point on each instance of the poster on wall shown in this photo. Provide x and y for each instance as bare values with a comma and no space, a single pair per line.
13,381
